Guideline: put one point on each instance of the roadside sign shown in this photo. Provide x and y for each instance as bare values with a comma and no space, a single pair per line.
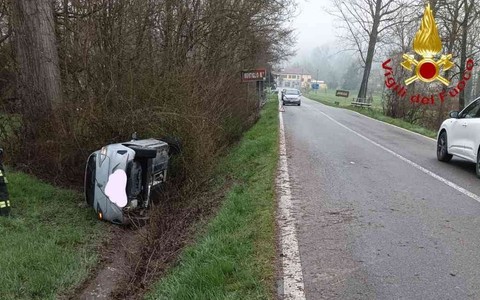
254,75
315,86
342,93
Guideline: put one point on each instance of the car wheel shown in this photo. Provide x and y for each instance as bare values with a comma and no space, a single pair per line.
478,164
299,103
442,148
283,103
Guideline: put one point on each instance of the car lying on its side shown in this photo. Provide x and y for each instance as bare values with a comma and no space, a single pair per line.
460,135
120,178
291,96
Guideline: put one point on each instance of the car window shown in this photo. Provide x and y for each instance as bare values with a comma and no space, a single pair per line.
293,92
472,111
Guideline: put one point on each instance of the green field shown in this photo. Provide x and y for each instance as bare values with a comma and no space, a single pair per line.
330,98
235,257
48,244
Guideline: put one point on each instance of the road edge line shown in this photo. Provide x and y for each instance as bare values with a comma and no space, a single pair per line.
413,164
293,286
416,133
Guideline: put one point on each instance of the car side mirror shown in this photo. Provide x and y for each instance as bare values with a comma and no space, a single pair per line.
454,114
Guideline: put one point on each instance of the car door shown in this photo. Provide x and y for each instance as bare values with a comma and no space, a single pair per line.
472,131
464,129
455,132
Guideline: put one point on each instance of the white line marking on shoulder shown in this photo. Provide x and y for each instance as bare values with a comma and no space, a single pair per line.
438,177
403,129
409,131
293,287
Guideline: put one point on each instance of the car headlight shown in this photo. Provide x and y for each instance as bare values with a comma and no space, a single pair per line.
103,155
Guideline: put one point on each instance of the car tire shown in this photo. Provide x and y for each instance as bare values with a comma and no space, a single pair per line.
299,104
442,148
283,103
477,167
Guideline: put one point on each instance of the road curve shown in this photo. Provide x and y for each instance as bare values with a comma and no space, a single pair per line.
377,216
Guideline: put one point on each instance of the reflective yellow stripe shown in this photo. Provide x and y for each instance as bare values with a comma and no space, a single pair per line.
3,204
8,202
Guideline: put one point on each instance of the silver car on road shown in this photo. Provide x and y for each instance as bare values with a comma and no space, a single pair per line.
291,96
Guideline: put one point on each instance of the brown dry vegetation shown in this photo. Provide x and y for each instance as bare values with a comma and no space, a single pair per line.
156,67
429,116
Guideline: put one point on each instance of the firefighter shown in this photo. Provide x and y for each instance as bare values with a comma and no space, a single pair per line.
4,200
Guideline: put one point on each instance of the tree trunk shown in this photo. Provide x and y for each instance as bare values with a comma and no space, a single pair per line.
362,93
449,49
39,81
463,52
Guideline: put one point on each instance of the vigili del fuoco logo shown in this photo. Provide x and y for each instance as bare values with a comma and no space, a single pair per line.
428,45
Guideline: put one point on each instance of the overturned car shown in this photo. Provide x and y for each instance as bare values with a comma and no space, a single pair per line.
120,178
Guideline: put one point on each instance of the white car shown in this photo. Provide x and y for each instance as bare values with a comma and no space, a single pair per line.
460,135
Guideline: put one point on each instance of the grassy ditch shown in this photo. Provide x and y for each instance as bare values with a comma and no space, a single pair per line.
375,113
234,257
48,244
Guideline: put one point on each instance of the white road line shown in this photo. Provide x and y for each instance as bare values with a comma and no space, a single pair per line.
385,123
293,287
438,177
403,129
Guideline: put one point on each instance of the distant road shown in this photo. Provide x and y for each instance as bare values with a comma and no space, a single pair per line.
378,217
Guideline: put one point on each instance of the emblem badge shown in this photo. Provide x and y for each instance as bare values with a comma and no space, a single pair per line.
427,43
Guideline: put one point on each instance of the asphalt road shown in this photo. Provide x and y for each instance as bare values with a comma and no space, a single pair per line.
371,225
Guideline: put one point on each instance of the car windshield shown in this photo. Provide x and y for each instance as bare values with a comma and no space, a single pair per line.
292,92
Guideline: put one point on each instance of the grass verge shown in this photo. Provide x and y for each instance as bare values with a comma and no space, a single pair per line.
330,97
234,258
48,244
375,113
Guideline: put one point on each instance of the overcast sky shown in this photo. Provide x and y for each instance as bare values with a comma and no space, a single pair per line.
313,25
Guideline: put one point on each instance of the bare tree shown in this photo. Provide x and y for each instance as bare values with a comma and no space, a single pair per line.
364,22
471,13
39,82
173,65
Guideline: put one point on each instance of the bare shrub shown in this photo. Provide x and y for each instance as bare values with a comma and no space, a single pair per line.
154,67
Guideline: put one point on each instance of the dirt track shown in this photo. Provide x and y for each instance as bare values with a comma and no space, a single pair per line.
134,258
